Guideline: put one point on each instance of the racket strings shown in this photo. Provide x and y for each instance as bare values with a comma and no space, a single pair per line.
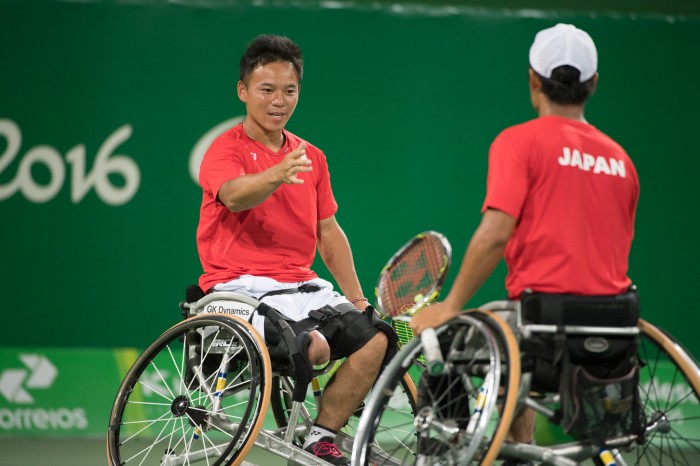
416,271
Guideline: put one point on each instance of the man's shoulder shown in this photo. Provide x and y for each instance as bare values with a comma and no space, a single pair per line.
230,137
295,140
229,142
546,125
522,127
520,131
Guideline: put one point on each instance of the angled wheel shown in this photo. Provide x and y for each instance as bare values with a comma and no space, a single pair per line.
458,420
500,420
670,394
402,408
197,395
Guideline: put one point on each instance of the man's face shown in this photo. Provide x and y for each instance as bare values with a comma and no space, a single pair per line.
270,95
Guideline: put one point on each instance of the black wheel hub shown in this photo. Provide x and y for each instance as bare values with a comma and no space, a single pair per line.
198,416
180,405
660,422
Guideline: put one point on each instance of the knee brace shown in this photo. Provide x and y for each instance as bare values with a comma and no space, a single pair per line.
391,336
348,329
294,349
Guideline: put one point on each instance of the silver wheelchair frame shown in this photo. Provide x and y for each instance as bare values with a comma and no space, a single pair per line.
567,454
460,443
213,412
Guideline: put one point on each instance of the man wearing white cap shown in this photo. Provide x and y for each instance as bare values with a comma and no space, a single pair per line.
561,196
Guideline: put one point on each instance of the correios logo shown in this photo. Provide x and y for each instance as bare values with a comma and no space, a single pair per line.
18,386
38,373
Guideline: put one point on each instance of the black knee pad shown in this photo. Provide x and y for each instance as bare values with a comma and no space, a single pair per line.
361,327
290,355
392,338
303,370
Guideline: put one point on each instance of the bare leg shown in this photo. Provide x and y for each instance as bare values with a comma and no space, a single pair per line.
352,381
522,429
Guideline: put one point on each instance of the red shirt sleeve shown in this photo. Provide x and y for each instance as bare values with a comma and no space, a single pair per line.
221,164
327,205
507,180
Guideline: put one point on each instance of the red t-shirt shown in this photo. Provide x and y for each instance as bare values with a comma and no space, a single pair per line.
574,193
275,239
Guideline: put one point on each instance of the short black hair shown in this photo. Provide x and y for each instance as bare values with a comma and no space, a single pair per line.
564,86
270,48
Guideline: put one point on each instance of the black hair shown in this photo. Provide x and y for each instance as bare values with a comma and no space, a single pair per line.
564,86
270,48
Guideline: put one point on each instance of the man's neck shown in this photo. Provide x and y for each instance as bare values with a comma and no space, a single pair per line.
273,141
572,112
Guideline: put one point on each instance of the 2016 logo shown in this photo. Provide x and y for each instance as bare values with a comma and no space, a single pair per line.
105,164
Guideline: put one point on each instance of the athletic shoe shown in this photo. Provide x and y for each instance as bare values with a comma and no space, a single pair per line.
328,451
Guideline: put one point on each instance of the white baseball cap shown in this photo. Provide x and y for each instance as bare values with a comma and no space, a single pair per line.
564,44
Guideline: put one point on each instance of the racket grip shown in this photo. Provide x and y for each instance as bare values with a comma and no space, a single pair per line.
435,364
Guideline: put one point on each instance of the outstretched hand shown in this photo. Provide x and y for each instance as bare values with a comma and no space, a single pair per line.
293,163
432,317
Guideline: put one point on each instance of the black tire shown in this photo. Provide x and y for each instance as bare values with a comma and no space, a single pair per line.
448,428
670,394
165,414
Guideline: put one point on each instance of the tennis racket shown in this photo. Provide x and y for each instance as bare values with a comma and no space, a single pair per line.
412,279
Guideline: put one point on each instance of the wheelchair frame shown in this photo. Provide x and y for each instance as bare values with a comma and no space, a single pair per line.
459,443
215,415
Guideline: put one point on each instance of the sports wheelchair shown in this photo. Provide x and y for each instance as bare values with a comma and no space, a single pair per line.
200,393
482,378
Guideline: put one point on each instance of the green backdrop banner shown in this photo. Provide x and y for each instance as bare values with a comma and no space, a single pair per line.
70,391
106,107
59,392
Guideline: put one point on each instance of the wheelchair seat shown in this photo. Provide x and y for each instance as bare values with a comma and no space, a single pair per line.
289,356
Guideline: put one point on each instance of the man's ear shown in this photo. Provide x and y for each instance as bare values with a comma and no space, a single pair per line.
242,91
535,86
535,83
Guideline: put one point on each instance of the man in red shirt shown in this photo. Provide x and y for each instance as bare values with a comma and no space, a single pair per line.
267,205
561,195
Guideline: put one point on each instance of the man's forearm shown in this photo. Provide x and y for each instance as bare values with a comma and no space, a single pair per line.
483,254
480,260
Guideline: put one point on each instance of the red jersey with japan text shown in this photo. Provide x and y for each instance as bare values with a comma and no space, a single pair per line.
574,192
275,239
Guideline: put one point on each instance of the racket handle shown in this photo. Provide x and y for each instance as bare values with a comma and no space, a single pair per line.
432,352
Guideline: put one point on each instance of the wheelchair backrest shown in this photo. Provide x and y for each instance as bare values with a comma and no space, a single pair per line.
225,302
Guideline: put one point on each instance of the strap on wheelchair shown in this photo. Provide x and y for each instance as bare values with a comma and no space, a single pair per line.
298,347
295,347
392,338
559,345
305,288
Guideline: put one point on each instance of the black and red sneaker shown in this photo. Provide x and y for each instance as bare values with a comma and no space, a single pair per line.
328,451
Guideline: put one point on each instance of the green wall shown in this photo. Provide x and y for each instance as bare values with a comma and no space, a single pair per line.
97,251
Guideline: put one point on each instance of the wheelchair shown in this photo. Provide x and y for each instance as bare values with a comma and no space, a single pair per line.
200,394
464,414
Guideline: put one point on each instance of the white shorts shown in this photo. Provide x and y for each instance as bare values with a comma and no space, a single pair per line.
295,306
